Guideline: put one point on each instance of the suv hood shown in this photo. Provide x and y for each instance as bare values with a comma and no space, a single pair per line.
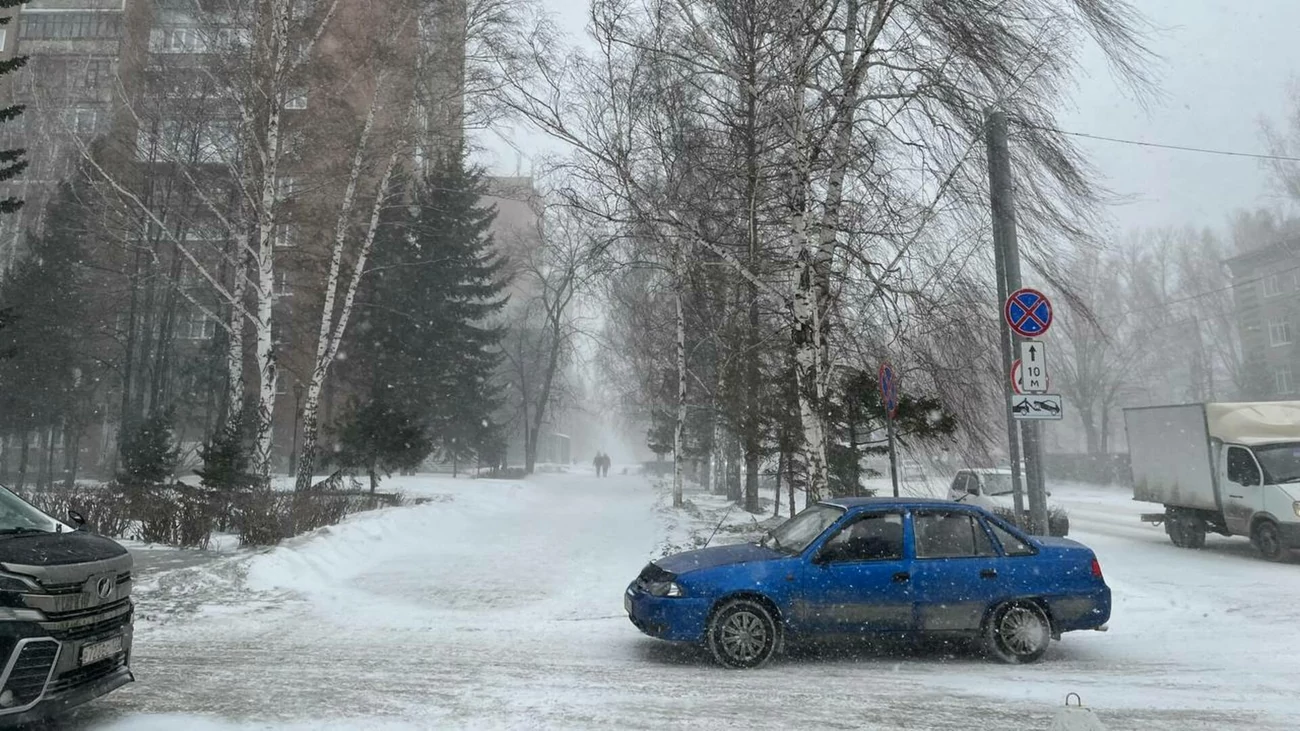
707,558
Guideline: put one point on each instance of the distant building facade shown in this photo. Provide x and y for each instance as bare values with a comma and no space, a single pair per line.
1266,294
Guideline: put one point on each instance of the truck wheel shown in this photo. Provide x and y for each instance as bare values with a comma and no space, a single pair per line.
1194,532
1269,542
1177,534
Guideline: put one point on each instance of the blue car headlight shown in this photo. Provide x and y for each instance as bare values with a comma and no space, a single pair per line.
665,588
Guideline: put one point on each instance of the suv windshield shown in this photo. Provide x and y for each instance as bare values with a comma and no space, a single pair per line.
996,483
18,516
1281,462
794,535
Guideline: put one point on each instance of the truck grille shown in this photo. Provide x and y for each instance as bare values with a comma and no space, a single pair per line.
31,670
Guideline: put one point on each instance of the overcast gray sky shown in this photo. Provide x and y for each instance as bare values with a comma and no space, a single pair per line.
1225,65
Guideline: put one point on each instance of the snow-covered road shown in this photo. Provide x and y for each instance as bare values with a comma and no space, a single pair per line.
498,605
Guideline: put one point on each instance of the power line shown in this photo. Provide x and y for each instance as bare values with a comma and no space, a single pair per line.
1163,146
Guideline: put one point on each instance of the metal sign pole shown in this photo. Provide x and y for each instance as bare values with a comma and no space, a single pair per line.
893,453
1000,193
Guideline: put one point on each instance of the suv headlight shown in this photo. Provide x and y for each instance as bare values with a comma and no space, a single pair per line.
665,588
1296,508
14,582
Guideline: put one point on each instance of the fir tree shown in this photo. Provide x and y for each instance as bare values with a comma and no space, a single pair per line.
44,300
858,425
12,162
434,287
227,458
148,454
381,437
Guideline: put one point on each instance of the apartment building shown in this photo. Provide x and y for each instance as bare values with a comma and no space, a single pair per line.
1266,291
139,84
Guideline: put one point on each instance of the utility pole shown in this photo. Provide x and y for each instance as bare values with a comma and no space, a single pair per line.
1007,258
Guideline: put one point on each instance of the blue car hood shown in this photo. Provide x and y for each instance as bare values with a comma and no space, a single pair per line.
707,558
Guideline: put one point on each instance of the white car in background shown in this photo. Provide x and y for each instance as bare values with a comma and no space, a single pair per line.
990,488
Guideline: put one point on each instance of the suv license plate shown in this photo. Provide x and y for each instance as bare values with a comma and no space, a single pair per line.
101,650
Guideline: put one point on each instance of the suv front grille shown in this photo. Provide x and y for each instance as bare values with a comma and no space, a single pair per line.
89,622
31,670
87,674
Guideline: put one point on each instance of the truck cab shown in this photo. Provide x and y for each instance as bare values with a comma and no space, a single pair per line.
1260,493
65,614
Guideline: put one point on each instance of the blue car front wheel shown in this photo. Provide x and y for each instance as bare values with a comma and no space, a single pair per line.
743,634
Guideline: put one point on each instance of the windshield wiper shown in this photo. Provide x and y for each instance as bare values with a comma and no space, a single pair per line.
776,542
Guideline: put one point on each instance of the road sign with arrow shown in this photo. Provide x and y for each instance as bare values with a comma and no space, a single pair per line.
1033,367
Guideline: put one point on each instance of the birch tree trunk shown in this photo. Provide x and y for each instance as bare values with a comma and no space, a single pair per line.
331,335
269,67
235,344
680,424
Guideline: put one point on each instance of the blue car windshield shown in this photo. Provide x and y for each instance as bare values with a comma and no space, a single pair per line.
794,535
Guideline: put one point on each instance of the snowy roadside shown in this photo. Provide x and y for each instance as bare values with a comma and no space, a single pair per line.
694,524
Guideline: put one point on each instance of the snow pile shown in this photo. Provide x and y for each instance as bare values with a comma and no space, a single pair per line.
703,513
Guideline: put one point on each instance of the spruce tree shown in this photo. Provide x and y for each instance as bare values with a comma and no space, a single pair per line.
148,454
14,161
381,437
427,319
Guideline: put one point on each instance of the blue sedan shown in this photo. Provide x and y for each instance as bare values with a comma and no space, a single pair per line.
872,566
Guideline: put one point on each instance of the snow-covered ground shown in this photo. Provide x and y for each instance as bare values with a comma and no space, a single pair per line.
497,604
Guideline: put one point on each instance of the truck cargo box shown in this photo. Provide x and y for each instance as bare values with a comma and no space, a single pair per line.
1170,455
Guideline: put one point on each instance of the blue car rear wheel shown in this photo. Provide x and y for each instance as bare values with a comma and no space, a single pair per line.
743,634
1018,633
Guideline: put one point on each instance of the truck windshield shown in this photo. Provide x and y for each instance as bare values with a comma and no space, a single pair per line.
18,516
1281,462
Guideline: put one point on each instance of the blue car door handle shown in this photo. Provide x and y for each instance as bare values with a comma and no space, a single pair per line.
902,577
989,574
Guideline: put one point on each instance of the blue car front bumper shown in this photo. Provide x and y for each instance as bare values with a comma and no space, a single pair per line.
679,619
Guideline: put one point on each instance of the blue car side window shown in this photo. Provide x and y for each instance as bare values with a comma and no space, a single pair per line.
944,534
873,537
1011,545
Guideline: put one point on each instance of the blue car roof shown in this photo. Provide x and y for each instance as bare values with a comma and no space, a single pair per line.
849,503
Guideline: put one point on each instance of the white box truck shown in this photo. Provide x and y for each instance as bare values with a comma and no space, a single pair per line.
1230,468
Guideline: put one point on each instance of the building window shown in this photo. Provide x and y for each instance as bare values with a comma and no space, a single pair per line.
59,26
284,237
296,100
197,326
4,38
282,287
1279,332
91,75
1282,381
81,121
1272,286
286,187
